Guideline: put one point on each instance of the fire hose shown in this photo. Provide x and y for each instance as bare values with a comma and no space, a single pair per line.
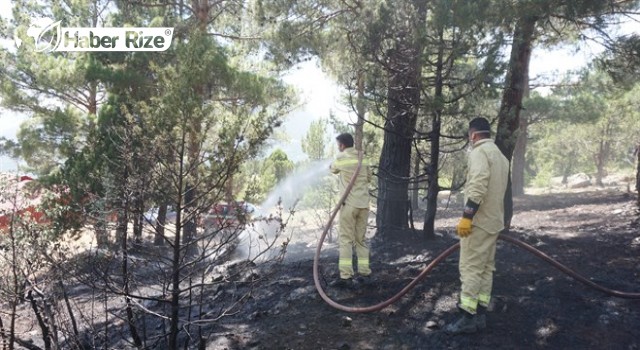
446,253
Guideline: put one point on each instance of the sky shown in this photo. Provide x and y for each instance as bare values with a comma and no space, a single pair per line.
319,95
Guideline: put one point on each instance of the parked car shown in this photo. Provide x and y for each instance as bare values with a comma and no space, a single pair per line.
228,215
151,216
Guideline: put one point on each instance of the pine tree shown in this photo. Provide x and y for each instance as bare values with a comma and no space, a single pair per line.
622,63
54,89
530,16
461,64
315,141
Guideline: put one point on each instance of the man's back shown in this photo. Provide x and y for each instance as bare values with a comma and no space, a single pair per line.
345,165
487,180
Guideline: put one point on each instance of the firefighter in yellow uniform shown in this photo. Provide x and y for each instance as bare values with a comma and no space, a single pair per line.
481,222
354,212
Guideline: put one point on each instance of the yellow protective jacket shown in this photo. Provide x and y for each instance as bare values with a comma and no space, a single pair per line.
487,178
345,165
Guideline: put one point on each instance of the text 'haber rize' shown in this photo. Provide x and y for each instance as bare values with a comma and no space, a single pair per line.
132,40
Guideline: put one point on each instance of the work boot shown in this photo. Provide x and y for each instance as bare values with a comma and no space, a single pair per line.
481,317
467,323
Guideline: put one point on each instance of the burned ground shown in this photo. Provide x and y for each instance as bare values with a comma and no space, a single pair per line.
596,233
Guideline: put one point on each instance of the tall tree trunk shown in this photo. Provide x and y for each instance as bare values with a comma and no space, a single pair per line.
141,191
515,86
3,335
395,160
415,193
519,158
189,212
604,151
432,174
600,165
638,172
133,329
201,9
228,190
434,139
123,207
160,223
360,110
138,234
99,218
520,151
403,100
138,218
122,225
93,99
176,266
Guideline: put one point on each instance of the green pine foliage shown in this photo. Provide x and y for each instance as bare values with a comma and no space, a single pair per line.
588,128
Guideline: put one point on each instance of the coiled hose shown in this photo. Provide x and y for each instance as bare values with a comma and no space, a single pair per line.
435,262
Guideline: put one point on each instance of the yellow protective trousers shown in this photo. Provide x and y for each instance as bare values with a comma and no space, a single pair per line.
353,226
477,263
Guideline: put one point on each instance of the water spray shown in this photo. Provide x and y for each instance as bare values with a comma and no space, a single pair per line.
446,253
258,237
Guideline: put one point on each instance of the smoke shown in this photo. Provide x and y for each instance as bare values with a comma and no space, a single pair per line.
257,237
292,188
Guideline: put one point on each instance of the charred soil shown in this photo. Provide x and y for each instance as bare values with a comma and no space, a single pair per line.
276,306
596,233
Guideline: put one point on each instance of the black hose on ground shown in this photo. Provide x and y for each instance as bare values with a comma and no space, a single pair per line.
436,261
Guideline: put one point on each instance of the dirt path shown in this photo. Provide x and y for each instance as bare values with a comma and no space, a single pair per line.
596,233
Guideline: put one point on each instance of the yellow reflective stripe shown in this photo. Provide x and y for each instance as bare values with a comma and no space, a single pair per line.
484,299
343,262
363,261
468,304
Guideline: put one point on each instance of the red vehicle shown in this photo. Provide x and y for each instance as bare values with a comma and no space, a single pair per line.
18,200
228,215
